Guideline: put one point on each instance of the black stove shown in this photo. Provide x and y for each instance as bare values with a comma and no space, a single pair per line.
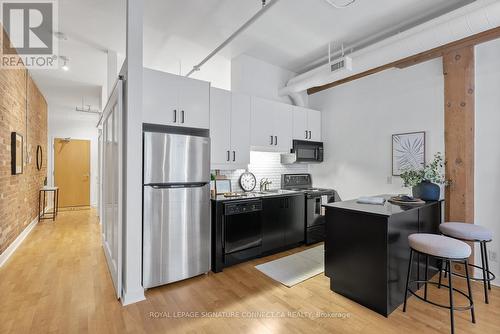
314,219
303,182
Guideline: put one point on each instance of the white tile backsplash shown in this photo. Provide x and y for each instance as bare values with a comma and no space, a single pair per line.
265,165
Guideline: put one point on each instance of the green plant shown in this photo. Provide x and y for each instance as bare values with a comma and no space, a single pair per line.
432,172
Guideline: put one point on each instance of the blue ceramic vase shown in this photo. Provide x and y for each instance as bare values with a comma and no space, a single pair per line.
427,191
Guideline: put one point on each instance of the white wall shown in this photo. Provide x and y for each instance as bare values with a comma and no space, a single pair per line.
359,118
254,77
178,56
487,160
63,124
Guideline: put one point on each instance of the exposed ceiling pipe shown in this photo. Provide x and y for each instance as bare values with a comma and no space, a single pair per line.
477,17
265,7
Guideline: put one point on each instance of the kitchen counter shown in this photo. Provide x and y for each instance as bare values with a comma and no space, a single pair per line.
257,194
367,251
388,209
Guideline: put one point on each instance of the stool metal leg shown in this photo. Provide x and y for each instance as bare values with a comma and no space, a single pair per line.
440,274
408,278
484,274
487,265
426,275
452,320
39,203
43,207
466,263
446,269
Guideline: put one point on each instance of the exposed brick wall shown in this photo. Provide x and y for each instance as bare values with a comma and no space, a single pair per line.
19,193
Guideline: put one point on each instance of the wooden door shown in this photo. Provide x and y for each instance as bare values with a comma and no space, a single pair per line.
72,171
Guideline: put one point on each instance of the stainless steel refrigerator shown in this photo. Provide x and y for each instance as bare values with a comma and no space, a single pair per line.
176,219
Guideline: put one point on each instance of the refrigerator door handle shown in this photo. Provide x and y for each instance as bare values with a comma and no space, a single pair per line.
177,185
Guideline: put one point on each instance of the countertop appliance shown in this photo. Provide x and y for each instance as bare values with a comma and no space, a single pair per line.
176,204
242,228
304,152
315,198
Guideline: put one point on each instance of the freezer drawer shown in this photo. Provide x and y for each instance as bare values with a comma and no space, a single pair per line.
176,238
176,158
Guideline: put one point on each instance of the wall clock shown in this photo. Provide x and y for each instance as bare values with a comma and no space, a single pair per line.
248,181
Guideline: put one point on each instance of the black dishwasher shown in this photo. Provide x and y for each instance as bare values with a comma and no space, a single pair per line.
242,230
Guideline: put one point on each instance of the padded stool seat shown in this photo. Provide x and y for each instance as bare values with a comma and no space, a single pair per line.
466,231
439,246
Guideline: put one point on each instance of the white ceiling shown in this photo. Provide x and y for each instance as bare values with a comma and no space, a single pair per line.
177,34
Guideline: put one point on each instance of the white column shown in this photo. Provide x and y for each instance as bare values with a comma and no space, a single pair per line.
112,70
132,215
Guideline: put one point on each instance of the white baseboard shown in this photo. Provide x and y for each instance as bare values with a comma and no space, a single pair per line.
17,242
132,297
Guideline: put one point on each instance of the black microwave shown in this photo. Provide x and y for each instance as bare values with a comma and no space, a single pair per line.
307,151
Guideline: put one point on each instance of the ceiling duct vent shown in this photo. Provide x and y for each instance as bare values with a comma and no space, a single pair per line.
344,63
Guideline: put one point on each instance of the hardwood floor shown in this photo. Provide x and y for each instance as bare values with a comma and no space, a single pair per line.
58,282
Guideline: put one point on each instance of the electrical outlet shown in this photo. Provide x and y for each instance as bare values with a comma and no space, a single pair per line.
389,180
492,256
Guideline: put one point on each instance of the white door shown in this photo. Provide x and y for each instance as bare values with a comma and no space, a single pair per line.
112,186
194,103
282,127
160,98
299,119
220,123
314,125
240,130
261,124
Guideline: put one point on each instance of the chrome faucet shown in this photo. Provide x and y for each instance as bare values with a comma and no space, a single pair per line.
264,184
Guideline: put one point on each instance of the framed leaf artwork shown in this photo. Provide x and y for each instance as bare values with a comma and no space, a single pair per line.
408,152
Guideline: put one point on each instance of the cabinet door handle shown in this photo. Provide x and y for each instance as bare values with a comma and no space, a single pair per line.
228,156
306,134
271,140
175,115
310,134
234,155
182,115
276,140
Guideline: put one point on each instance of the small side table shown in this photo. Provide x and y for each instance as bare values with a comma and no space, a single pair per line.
41,210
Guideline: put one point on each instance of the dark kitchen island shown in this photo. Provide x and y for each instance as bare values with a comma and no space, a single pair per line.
367,252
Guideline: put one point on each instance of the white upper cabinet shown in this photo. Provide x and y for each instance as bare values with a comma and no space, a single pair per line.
240,130
220,123
300,130
271,125
282,127
262,123
229,129
194,101
170,99
306,124
314,125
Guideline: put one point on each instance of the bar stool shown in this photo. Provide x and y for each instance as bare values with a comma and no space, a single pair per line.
472,233
448,250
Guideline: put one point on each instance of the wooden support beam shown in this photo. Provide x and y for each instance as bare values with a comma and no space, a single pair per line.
459,93
437,52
